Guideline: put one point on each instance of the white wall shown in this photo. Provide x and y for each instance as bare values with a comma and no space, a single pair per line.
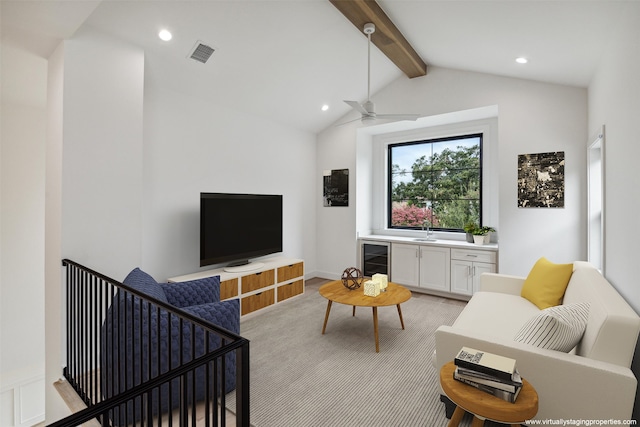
533,118
194,146
614,101
102,160
22,198
336,226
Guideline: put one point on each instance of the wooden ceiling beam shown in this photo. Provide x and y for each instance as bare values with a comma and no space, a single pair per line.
387,36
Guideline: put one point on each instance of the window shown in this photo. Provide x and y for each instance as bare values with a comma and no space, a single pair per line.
435,183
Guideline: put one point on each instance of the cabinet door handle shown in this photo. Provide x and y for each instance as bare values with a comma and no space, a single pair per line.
472,256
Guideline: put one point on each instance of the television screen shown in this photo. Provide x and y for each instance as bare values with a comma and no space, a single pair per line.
237,227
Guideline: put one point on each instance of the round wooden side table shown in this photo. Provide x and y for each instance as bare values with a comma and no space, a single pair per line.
483,405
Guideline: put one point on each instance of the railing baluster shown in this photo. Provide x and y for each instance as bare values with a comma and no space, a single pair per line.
96,331
220,378
115,313
83,351
192,374
183,385
207,383
79,333
76,320
90,328
70,322
158,360
170,365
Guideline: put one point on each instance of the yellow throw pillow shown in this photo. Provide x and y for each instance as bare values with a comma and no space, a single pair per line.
546,283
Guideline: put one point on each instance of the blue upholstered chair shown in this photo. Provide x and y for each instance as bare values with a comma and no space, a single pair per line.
139,341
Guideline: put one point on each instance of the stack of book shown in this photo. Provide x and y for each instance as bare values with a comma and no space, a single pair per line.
491,373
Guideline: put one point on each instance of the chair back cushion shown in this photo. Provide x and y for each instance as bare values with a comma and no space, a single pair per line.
143,282
193,292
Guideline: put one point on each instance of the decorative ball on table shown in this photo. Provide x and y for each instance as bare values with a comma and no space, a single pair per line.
352,278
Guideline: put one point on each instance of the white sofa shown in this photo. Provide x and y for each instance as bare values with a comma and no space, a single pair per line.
591,382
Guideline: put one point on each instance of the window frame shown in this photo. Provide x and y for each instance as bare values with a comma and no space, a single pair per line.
389,176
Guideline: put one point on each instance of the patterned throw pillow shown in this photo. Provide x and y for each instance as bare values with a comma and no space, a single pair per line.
556,328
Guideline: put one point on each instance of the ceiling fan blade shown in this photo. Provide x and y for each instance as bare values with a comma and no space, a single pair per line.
397,116
356,106
349,121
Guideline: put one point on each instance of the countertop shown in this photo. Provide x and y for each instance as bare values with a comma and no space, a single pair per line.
460,244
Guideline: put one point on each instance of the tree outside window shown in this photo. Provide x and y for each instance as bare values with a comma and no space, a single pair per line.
435,183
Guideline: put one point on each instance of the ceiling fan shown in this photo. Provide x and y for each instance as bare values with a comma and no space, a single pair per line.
368,109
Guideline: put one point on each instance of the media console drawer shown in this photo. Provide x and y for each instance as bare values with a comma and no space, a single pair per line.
290,290
291,271
228,289
257,301
253,282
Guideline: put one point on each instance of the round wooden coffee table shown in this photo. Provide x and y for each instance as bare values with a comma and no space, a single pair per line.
484,405
336,292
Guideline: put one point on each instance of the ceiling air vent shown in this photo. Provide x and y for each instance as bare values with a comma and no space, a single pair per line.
201,52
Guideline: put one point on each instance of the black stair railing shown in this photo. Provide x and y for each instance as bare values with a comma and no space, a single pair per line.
135,360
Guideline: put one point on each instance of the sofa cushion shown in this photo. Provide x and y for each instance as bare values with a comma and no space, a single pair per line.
500,315
546,283
556,328
143,282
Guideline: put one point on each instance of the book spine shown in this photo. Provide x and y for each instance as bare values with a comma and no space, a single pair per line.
494,384
515,381
482,368
502,394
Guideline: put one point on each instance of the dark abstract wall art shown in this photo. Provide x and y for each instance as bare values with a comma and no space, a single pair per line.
541,180
336,187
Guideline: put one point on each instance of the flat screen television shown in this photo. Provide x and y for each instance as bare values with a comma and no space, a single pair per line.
237,227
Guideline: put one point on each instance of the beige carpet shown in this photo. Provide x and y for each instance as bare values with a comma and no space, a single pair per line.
300,377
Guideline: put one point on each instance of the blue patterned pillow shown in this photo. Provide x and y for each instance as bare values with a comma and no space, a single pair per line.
142,282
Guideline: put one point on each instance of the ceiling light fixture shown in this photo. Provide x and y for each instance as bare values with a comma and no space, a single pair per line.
522,60
325,107
165,35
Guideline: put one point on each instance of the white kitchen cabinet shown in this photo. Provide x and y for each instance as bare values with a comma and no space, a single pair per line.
434,268
423,266
405,264
466,267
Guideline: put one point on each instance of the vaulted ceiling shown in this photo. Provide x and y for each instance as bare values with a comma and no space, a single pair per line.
282,60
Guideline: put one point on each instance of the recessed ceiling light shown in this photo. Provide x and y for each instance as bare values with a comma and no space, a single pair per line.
165,35
522,60
325,107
